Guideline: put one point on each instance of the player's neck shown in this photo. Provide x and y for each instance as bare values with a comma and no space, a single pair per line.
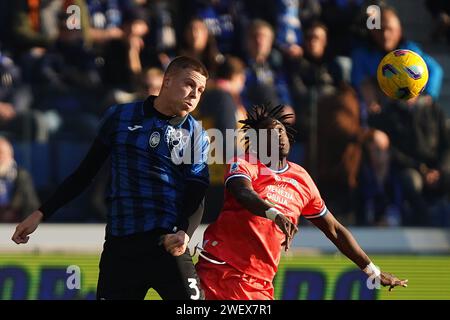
281,164
162,106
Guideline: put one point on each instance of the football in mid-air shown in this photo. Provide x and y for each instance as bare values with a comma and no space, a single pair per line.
402,74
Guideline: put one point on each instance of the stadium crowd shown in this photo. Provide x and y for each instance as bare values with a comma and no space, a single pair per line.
377,162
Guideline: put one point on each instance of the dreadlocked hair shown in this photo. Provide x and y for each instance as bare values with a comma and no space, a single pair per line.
262,117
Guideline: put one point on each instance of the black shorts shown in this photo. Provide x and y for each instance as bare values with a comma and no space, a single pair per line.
131,265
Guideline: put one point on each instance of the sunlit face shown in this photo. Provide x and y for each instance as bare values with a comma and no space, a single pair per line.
390,34
6,153
316,42
153,81
283,140
183,90
197,35
260,42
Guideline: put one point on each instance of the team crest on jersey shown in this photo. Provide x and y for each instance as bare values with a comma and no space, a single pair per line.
154,139
234,166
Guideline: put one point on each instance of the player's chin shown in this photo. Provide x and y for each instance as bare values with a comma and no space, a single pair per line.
184,111
187,107
284,152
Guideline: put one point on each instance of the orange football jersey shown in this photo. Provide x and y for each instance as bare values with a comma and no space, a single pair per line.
250,243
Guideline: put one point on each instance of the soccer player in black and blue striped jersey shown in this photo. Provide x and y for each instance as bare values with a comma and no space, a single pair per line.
159,178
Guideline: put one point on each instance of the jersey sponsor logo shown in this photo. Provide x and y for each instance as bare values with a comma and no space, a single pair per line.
294,182
154,139
277,178
279,195
175,138
234,167
135,127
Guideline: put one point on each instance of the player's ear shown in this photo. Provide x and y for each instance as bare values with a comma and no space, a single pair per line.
166,81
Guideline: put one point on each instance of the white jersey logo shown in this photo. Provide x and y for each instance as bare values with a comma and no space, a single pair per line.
135,127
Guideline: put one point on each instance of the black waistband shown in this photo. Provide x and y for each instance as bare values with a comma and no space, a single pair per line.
152,235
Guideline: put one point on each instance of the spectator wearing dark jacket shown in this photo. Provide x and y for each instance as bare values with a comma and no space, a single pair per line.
419,151
266,75
339,150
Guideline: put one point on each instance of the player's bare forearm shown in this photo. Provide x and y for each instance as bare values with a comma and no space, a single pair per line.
346,243
342,239
243,192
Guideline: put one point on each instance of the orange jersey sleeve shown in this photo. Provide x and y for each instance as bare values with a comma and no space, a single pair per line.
316,206
240,167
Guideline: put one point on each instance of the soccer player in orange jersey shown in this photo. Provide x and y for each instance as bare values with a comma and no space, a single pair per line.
262,206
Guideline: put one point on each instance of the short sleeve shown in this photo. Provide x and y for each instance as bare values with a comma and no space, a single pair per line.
107,125
198,170
239,167
315,208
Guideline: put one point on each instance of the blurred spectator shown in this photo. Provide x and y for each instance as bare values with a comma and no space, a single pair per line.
199,44
17,119
150,82
17,194
420,152
380,199
266,76
153,79
51,53
289,33
440,10
315,71
123,64
221,106
161,41
339,151
223,20
106,19
310,11
36,24
341,17
69,62
221,109
63,75
389,37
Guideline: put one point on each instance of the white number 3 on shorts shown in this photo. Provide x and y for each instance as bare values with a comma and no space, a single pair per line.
193,285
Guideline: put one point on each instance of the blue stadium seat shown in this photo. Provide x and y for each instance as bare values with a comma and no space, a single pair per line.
68,156
35,157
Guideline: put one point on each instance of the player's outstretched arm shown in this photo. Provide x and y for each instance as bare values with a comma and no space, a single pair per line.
26,227
71,187
346,243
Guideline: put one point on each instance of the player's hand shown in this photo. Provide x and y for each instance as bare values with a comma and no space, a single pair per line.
27,227
387,279
288,228
176,243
